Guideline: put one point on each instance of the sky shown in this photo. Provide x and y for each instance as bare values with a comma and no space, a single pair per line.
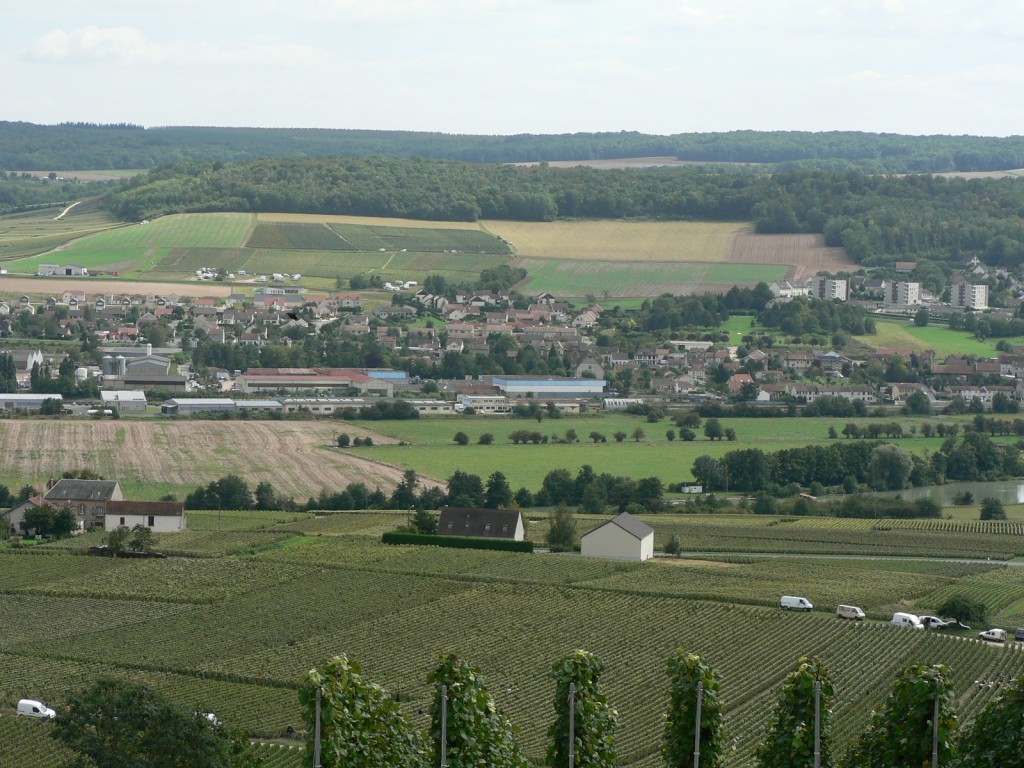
520,66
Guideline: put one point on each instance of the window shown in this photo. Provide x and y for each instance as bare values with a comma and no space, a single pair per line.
487,527
152,521
122,521
450,526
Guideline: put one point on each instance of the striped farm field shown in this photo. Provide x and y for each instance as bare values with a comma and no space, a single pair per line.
621,241
577,277
804,255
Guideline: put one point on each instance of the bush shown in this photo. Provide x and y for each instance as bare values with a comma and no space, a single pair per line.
456,542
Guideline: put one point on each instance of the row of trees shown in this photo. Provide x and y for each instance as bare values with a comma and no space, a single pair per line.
362,725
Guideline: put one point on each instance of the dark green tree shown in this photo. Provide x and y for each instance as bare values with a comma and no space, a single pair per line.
362,725
900,733
266,498
477,733
461,438
789,742
686,671
594,721
142,539
498,492
118,724
995,736
992,509
965,609
562,530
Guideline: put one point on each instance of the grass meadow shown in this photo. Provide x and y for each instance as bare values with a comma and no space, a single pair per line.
897,334
23,235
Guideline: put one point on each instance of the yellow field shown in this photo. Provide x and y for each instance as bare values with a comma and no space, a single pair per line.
616,240
367,221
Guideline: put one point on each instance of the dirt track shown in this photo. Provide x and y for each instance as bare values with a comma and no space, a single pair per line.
296,456
10,284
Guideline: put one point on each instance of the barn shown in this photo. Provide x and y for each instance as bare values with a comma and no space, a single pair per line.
622,538
482,523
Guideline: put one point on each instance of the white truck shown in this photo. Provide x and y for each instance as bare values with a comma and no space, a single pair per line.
36,709
909,620
791,603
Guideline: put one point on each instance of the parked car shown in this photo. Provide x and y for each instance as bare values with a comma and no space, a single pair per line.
36,709
907,620
790,603
849,612
955,624
993,635
933,622
1019,634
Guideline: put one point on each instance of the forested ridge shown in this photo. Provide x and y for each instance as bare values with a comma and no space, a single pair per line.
84,146
876,218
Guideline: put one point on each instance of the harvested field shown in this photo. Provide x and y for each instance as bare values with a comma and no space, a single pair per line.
369,221
51,285
295,456
621,241
805,255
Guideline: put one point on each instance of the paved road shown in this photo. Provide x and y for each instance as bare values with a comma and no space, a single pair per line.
1016,563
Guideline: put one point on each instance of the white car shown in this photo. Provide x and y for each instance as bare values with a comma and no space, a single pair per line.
933,622
993,635
36,709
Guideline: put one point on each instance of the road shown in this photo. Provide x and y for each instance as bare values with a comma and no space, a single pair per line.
1014,563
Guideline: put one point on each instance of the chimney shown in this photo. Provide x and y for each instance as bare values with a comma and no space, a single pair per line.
50,483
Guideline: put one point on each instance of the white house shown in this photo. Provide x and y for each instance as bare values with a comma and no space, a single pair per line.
623,538
158,516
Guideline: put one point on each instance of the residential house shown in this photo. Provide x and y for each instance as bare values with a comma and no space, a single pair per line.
622,538
481,523
86,498
158,516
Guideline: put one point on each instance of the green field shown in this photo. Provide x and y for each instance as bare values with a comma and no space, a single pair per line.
431,451
27,234
577,277
895,334
233,635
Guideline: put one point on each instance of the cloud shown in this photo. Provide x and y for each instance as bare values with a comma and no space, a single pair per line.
129,46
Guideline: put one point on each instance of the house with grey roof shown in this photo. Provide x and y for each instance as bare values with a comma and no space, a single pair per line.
622,538
86,498
482,523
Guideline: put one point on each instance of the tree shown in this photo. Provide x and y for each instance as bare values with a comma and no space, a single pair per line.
597,437
404,495
638,434
730,434
344,441
965,609
713,429
674,545
562,530
918,404
486,438
461,438
619,436
424,521
498,492
889,468
685,671
118,724
707,472
594,720
117,540
571,436
362,725
900,733
922,317
992,509
266,498
8,374
995,737
789,742
47,520
670,435
142,539
477,733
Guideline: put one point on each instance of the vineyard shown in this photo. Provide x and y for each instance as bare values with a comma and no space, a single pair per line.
252,600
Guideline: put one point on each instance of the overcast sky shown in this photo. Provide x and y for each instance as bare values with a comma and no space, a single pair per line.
520,66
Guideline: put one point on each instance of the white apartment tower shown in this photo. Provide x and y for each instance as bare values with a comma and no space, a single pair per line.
903,294
969,296
830,288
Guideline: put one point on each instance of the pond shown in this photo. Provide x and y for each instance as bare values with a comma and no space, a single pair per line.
1007,491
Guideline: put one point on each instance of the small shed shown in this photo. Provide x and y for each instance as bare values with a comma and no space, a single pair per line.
482,523
622,538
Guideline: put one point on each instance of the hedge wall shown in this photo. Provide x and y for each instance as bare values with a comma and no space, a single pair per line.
459,542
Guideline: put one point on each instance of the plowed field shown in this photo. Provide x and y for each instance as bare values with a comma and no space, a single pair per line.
805,255
296,457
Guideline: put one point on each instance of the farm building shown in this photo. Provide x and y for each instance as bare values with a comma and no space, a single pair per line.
16,514
26,401
327,381
158,516
259,406
187,406
87,498
124,399
482,523
483,404
623,538
548,386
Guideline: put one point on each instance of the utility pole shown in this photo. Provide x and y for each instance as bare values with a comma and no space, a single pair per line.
696,730
572,725
935,735
444,726
316,732
817,724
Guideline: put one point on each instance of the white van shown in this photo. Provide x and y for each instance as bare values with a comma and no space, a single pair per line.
849,612
993,635
790,603
36,709
907,620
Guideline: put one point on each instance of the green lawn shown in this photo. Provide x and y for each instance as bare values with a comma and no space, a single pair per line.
896,334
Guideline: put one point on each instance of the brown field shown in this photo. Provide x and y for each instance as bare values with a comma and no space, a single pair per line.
613,163
10,285
620,241
806,255
296,456
368,221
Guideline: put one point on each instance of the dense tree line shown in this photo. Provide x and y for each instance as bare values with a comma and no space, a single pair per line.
20,192
26,146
